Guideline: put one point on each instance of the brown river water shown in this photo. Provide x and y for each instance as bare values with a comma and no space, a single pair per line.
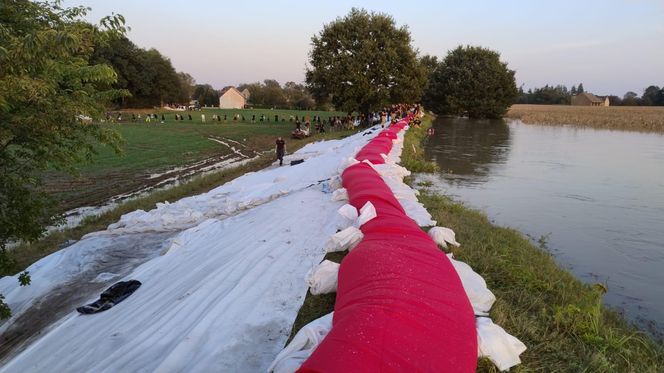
597,195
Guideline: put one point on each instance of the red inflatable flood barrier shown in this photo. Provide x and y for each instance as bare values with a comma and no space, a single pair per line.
400,304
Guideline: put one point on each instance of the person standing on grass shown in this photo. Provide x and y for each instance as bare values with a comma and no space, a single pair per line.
280,149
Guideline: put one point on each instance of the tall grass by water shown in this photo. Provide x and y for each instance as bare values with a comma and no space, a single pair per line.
627,118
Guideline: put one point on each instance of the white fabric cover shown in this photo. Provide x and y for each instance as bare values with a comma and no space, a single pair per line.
340,194
349,212
323,278
335,183
367,212
346,239
369,163
442,236
345,163
481,298
496,344
303,344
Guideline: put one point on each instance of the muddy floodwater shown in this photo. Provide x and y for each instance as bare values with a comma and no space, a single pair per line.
596,195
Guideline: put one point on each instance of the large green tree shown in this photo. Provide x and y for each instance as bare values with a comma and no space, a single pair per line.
48,88
146,74
206,95
363,62
471,81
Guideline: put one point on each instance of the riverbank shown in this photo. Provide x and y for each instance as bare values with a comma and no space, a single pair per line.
26,254
561,320
625,118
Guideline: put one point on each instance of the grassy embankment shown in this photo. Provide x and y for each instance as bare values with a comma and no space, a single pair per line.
626,118
561,320
154,148
28,253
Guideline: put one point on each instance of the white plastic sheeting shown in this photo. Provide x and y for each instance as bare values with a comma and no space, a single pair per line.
345,163
302,345
323,278
497,345
222,297
442,236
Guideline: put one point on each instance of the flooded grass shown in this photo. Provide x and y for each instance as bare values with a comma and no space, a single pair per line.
626,118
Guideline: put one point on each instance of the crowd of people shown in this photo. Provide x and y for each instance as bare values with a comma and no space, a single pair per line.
304,125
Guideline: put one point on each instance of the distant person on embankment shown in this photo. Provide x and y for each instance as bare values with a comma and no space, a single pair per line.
281,150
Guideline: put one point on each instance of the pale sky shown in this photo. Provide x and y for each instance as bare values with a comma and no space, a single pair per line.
611,46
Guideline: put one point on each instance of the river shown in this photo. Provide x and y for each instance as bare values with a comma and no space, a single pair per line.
597,196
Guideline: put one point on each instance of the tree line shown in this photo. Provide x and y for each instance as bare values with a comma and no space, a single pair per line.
561,95
148,76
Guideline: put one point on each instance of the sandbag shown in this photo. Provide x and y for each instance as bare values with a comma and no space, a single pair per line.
348,211
300,347
496,344
481,298
340,195
323,278
442,236
343,240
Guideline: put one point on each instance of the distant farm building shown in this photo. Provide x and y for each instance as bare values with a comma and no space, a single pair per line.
231,98
589,99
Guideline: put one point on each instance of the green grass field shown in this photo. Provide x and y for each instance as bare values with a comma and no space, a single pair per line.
156,147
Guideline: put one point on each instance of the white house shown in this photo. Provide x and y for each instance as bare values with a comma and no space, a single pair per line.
231,98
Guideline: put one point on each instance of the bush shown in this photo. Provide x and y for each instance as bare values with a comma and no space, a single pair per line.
471,81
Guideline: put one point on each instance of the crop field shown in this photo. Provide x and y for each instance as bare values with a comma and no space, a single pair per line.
157,152
628,118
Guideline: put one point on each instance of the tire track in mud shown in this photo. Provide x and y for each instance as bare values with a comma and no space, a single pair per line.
101,193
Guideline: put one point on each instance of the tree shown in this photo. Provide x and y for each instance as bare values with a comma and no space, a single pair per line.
187,84
146,74
615,100
580,90
630,99
47,86
206,95
472,81
659,99
363,62
651,95
428,64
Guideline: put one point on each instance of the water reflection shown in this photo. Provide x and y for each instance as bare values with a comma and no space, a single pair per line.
466,150
597,194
